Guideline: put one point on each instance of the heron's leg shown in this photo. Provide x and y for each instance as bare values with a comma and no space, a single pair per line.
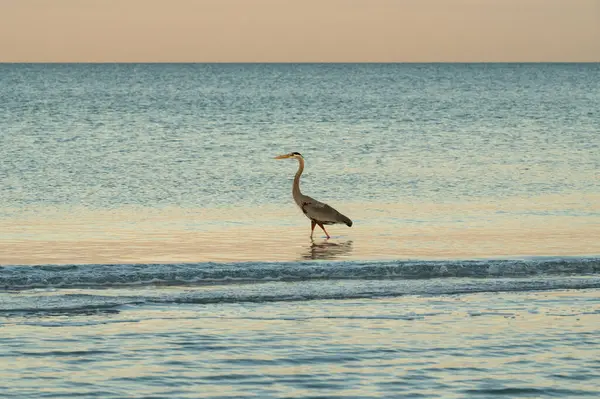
312,227
323,227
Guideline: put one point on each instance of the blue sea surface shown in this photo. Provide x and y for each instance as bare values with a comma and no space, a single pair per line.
149,247
204,135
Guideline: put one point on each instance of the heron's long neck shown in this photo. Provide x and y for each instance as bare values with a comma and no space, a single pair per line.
296,186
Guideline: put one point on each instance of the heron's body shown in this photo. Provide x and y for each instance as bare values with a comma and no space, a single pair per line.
318,212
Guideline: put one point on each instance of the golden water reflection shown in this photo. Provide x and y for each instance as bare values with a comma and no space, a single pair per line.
327,250
556,226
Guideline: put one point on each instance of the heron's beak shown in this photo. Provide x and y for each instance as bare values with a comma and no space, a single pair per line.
283,156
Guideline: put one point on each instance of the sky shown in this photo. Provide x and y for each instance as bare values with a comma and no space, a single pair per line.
299,30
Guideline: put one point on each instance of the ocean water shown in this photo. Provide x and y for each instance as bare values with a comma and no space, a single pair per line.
150,247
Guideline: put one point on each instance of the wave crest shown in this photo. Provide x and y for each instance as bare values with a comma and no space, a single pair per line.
99,276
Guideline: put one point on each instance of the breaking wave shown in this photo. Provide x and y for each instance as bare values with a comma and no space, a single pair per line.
190,274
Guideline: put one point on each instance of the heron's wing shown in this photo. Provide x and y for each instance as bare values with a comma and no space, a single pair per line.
322,212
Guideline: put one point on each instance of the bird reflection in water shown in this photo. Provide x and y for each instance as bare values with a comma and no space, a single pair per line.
327,250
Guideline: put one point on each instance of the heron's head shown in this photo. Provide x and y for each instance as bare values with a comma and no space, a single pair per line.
295,155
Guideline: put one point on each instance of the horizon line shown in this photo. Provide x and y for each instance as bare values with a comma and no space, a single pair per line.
300,62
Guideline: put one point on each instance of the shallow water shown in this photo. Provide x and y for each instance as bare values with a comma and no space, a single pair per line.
281,233
150,247
515,344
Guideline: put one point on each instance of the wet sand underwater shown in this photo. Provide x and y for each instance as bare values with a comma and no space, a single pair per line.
543,226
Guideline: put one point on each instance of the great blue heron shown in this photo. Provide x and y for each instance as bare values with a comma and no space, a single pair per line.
318,212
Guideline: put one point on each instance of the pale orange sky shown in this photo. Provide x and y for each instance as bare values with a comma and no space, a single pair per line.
299,30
